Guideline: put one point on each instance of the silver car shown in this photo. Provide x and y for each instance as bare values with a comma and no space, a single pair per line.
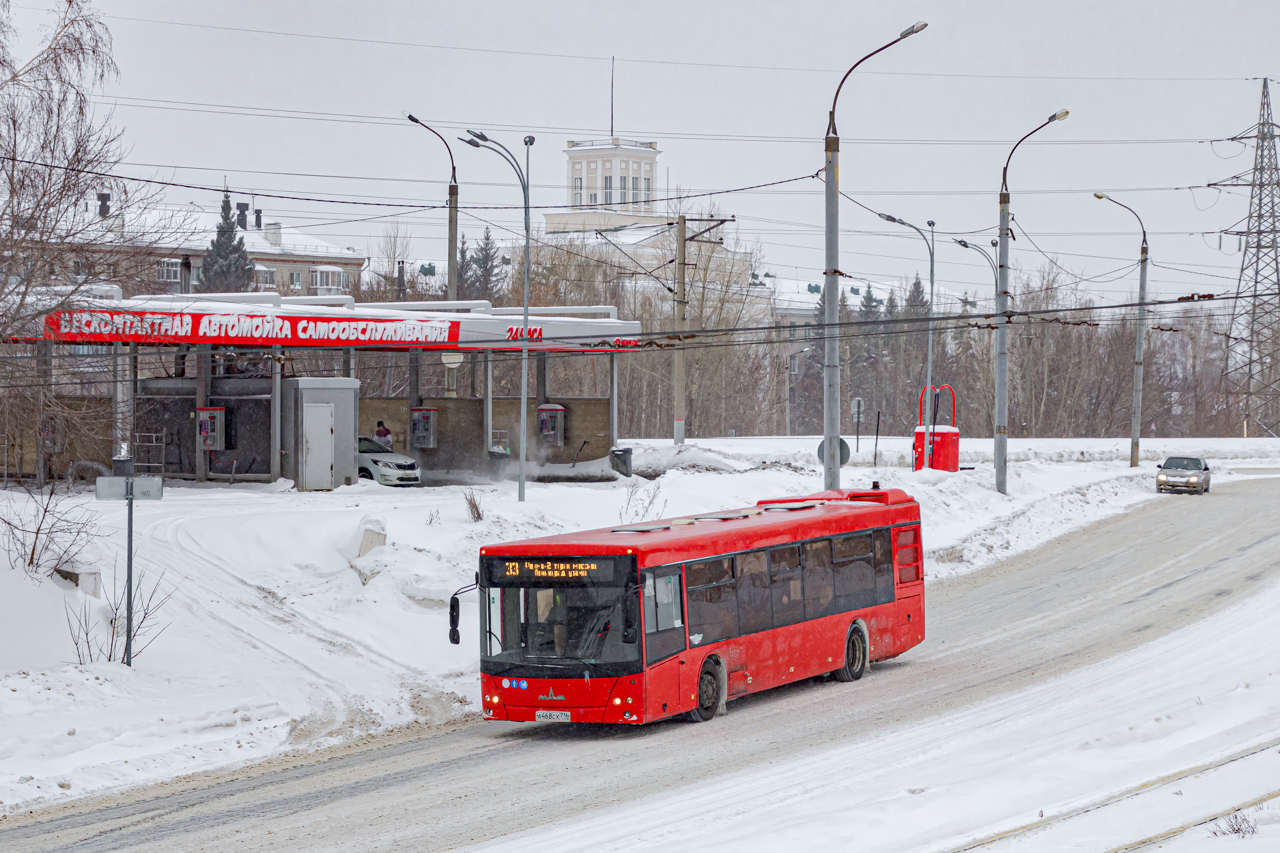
1183,474
378,463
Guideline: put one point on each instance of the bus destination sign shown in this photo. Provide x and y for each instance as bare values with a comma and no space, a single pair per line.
510,569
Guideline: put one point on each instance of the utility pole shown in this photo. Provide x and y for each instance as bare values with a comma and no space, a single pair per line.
1002,352
452,292
1136,427
787,373
1135,430
677,357
831,283
1002,327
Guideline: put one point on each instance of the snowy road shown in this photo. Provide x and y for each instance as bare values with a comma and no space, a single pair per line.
1114,587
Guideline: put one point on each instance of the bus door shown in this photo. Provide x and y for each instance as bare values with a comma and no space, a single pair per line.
664,641
909,579
883,618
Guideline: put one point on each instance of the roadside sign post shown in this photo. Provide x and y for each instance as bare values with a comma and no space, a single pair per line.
856,407
129,489
875,456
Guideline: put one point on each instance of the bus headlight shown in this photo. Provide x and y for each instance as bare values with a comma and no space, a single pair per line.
1160,478
617,701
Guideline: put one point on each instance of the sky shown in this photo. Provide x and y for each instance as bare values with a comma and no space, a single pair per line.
307,99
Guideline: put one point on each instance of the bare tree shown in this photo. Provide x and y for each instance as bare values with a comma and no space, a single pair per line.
66,221
87,629
44,532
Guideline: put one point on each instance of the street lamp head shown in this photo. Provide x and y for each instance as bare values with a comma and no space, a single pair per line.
1101,195
410,116
470,142
528,140
994,243
963,243
478,135
887,218
1060,115
918,26
930,223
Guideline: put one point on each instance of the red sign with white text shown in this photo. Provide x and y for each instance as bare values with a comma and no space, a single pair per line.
187,327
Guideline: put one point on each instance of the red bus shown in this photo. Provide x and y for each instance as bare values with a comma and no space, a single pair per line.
641,622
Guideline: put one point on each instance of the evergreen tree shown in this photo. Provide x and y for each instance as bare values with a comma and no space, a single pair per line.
864,359
917,304
486,261
869,306
227,267
466,271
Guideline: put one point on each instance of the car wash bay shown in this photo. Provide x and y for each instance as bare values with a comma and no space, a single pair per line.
220,388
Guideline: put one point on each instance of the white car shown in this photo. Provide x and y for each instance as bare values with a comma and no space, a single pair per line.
375,462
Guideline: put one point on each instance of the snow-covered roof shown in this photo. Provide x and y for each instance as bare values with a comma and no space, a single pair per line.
193,228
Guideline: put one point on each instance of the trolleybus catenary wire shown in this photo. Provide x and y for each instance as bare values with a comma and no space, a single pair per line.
505,357
988,318
648,61
497,357
706,339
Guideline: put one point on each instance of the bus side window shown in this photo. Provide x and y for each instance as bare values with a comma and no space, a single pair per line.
787,585
908,554
713,604
754,610
884,566
855,576
663,613
818,584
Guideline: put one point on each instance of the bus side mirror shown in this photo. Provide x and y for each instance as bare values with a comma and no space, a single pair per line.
1159,466
454,613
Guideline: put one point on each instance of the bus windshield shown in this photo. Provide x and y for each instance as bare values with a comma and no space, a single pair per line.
560,610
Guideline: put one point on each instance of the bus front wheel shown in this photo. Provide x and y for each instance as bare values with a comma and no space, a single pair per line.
855,657
708,694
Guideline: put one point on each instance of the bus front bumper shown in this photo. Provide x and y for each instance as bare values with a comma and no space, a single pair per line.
563,700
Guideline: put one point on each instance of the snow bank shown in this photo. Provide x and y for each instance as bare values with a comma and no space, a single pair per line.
281,635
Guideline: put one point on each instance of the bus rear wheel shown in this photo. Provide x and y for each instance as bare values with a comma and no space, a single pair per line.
855,657
708,694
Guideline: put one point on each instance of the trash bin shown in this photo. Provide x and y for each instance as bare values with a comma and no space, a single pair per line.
620,459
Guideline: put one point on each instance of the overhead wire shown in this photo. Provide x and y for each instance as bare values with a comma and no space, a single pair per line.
350,39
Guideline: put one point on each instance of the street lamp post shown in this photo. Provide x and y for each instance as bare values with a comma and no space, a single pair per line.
831,284
995,273
1002,329
452,286
479,140
1135,428
928,371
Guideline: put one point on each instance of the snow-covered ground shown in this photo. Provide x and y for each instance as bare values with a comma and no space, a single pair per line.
280,638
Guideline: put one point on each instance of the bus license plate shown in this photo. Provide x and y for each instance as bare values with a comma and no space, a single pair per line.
551,716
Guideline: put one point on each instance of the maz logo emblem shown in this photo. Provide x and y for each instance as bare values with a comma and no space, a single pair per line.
551,696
